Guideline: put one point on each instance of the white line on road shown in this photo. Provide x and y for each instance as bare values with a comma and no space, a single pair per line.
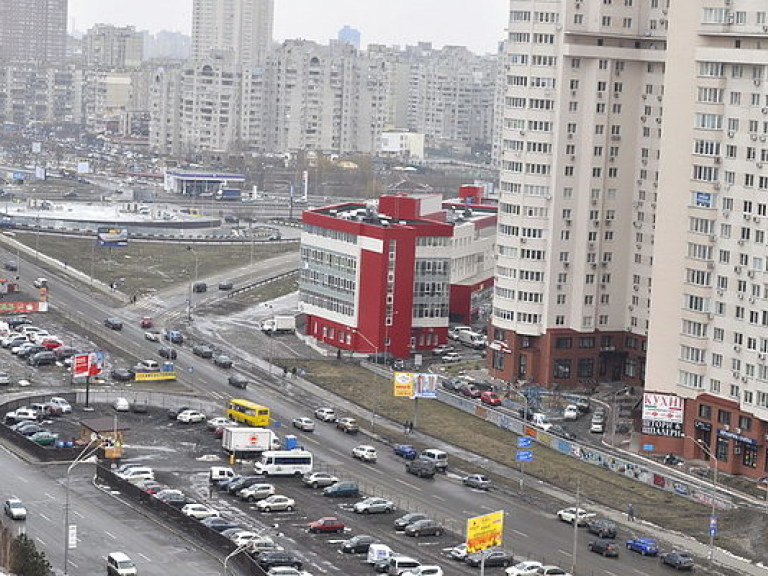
49,496
44,517
110,535
563,552
436,497
610,573
76,513
523,534
147,558
411,486
40,540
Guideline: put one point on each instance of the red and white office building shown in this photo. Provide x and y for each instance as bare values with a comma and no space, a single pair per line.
388,276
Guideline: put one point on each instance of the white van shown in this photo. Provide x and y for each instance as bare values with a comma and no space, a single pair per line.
137,474
541,421
377,552
398,564
453,333
438,457
472,339
119,564
219,473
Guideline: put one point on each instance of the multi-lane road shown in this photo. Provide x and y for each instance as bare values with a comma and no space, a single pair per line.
528,531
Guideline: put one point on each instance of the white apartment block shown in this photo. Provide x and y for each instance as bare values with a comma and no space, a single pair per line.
242,28
46,94
708,341
33,31
108,46
578,190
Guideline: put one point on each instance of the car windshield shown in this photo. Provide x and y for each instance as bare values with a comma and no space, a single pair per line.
15,505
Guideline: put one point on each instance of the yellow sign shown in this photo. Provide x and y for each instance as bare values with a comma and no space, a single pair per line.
485,531
139,376
403,384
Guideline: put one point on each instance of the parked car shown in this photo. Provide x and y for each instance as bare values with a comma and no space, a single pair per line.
644,546
121,405
479,481
490,398
342,489
113,323
319,479
168,352
226,285
604,547
347,425
493,557
214,423
11,266
243,482
44,438
442,349
190,416
14,508
326,524
551,571
66,407
365,453
470,390
199,511
405,451
44,358
426,527
256,492
121,374
199,287
325,414
525,568
603,528
374,505
678,559
238,381
223,361
571,412
423,570
270,559
304,424
357,544
572,515
276,503
202,350
451,358
459,552
218,523
171,498
403,521
583,404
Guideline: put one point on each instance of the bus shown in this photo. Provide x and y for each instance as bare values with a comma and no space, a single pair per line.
248,412
284,463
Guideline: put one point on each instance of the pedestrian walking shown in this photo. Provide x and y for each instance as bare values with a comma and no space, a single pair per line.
405,427
293,372
410,427
285,372
631,513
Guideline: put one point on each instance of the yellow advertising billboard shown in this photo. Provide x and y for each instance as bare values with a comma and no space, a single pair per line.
144,376
403,384
485,531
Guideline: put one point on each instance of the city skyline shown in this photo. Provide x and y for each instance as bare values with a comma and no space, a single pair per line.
442,22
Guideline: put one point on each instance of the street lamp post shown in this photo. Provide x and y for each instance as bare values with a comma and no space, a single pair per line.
271,342
244,547
713,518
375,355
189,305
87,452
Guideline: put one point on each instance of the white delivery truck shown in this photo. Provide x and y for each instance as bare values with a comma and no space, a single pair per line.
244,441
378,552
281,324
472,339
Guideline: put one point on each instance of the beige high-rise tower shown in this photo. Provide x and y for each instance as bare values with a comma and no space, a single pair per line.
580,134
242,28
33,30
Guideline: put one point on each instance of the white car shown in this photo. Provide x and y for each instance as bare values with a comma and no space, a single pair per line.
66,407
243,537
190,416
551,571
326,414
365,453
374,505
199,511
570,515
286,571
218,422
121,405
319,479
276,503
597,427
451,357
459,552
527,568
40,283
571,412
39,336
256,492
14,509
152,335
428,570
304,424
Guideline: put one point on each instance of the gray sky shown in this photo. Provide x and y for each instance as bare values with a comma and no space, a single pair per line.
477,24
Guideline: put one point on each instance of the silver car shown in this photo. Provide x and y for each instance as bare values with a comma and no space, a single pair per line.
374,505
304,424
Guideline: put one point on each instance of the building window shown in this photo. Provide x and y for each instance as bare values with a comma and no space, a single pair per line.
587,342
745,423
749,456
705,411
562,369
562,343
721,452
586,368
724,417
498,360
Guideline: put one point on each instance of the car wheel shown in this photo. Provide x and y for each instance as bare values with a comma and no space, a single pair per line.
267,509
366,511
314,484
289,508
505,563
642,552
438,532
387,510
251,499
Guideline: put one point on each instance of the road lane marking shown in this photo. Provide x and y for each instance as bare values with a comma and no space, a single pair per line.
523,534
563,552
49,496
44,517
40,540
411,486
76,513
436,497
147,558
110,535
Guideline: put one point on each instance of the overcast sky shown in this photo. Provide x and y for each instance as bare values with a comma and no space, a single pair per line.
477,24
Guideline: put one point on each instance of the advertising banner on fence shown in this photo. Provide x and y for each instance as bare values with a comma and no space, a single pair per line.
145,376
485,531
111,237
420,385
662,415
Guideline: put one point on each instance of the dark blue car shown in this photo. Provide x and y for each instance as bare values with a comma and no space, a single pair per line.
405,451
644,546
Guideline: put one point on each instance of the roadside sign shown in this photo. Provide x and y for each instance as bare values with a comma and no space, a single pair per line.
713,525
144,376
524,455
648,447
485,531
72,536
524,442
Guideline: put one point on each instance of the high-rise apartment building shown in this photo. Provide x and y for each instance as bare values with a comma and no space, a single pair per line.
708,341
579,162
240,27
108,46
33,30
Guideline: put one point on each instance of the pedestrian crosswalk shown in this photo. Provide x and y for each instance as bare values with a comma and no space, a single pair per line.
149,305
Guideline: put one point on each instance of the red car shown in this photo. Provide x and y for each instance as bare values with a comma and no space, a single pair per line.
490,398
327,524
51,343
146,322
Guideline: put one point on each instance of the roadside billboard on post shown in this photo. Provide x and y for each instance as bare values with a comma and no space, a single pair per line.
485,531
415,385
111,237
663,415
